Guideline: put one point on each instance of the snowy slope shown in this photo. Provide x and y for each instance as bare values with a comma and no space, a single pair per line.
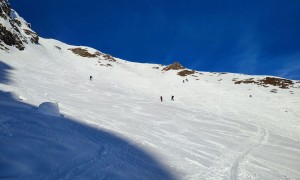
115,127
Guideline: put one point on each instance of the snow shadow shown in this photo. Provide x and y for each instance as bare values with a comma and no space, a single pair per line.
37,146
4,72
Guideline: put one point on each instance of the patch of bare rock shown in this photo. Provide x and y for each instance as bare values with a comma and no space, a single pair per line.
274,81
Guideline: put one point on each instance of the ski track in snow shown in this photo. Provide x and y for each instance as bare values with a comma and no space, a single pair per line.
193,135
241,157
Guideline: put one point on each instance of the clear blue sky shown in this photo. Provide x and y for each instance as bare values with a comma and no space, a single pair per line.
243,36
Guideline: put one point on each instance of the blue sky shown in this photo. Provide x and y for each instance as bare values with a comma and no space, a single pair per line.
242,36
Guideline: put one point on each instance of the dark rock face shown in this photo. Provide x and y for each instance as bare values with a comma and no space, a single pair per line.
281,83
5,6
34,37
178,66
4,9
174,66
10,39
14,35
185,73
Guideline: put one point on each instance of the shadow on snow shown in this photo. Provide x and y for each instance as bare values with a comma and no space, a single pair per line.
5,72
37,146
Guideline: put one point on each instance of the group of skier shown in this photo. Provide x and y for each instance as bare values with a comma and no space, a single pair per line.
161,98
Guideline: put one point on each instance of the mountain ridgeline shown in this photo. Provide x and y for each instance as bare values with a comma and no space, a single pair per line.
16,32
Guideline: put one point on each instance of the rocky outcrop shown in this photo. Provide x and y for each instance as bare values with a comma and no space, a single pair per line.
14,31
279,82
185,72
5,7
174,66
178,66
10,38
109,58
84,52
34,38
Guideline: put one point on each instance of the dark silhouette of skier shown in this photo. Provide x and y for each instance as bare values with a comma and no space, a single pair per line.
161,98
183,81
91,78
172,98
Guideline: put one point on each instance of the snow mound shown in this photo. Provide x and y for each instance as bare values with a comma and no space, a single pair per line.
49,108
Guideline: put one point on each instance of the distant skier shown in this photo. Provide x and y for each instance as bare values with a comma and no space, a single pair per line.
182,81
172,98
161,98
186,80
250,96
91,78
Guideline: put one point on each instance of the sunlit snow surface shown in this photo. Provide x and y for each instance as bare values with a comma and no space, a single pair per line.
115,127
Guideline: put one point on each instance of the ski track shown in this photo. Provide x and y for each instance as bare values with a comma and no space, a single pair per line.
241,157
193,135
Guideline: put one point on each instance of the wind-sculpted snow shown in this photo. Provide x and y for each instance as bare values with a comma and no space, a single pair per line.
49,108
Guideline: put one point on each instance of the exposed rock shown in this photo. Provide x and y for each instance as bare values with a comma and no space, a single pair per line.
246,81
281,83
274,91
34,37
174,66
5,6
10,39
3,47
109,58
11,33
2,14
106,65
185,72
57,47
84,52
18,22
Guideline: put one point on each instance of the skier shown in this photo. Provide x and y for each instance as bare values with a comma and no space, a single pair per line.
183,81
172,98
161,98
186,80
91,78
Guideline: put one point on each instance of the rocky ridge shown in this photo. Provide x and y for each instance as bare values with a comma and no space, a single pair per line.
178,66
14,30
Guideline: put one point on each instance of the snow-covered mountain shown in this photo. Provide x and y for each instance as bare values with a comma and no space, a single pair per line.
56,123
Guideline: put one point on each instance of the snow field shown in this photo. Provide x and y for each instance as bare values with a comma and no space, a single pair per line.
213,129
